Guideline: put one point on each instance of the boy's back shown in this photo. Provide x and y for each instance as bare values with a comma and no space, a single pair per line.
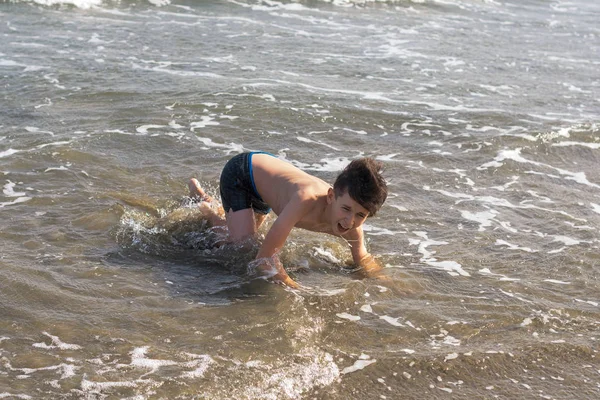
280,183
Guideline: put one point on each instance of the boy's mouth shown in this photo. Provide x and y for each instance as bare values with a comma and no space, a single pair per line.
341,228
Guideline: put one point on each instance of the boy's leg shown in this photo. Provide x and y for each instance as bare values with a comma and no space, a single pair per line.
241,224
215,217
196,191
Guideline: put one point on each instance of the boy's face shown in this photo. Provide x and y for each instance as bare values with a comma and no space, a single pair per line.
346,212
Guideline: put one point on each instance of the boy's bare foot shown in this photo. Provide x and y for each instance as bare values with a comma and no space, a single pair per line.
196,191
207,206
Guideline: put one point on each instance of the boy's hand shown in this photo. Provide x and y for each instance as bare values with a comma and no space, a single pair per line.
273,269
370,267
286,280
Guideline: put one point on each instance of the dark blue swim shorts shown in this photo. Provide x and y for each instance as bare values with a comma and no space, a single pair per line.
238,191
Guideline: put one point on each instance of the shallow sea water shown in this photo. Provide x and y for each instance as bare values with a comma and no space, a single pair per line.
485,113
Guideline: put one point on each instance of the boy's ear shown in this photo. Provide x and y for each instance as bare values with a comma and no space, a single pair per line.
330,196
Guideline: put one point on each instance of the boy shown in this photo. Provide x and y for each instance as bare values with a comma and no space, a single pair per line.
254,183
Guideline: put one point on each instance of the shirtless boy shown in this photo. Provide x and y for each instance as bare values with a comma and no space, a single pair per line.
254,183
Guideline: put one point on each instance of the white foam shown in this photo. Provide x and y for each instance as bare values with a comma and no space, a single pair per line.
327,164
494,201
365,308
542,199
526,322
566,240
595,208
56,344
328,292
9,191
177,72
377,231
10,63
289,379
159,3
17,396
358,365
391,321
119,131
306,140
364,94
590,145
16,201
66,370
144,128
59,143
85,4
229,148
452,267
555,251
444,107
349,317
511,246
205,121
88,386
361,132
451,356
139,359
33,129
399,208
61,168
326,254
580,227
48,103
388,157
557,281
382,289
509,294
175,125
451,341
8,152
486,271
515,155
200,363
270,5
483,218
229,117
593,303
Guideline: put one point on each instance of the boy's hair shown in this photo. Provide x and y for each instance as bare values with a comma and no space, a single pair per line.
363,181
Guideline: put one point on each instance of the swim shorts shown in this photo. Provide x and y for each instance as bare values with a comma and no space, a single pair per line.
238,191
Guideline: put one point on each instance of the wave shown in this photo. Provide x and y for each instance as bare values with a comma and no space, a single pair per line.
77,3
86,4
294,5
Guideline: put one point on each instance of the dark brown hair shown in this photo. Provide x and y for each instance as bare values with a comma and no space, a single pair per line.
363,181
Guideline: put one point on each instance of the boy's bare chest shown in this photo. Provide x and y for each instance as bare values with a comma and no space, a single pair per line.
313,222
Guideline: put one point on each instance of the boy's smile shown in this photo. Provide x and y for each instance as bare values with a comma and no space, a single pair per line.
346,213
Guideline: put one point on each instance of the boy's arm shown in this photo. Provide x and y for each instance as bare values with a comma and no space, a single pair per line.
361,257
276,237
